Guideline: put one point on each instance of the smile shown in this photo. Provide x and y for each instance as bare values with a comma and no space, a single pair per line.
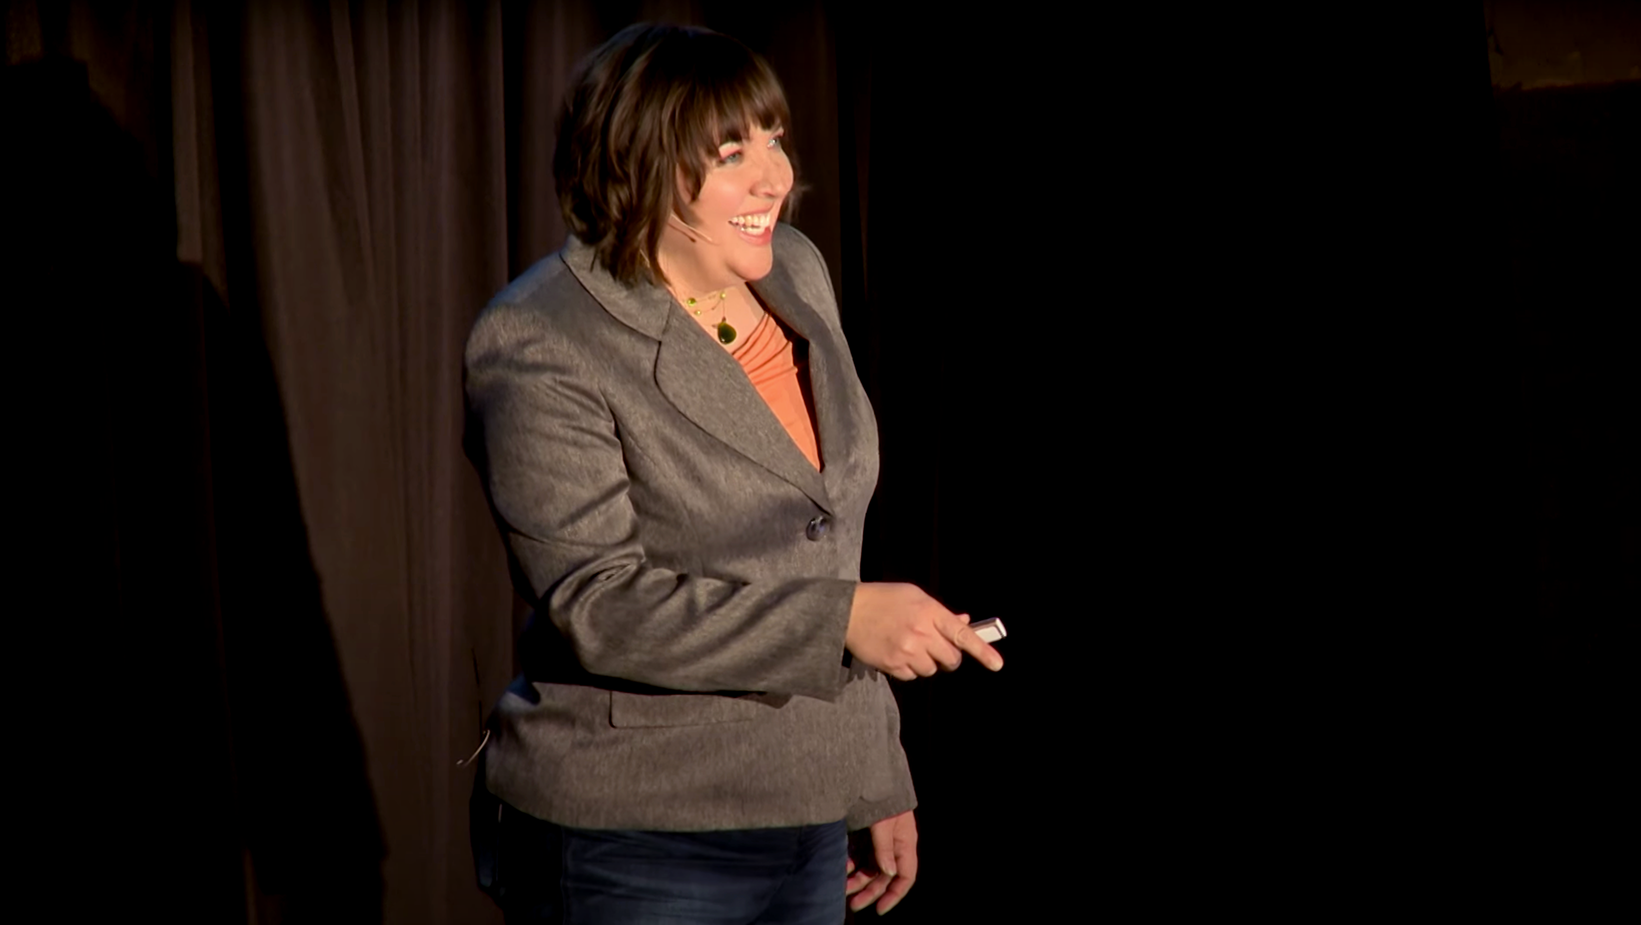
753,224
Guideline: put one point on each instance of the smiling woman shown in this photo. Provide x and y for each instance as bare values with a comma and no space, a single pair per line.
740,198
679,455
656,111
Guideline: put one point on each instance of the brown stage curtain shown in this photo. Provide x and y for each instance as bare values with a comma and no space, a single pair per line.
351,183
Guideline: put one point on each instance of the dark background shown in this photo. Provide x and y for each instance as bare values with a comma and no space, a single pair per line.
1269,376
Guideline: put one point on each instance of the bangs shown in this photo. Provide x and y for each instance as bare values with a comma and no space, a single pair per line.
643,125
728,92
730,110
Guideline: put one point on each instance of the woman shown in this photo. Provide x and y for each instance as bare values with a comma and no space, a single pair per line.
679,456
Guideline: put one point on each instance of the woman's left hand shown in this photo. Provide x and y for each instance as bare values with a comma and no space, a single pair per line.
894,850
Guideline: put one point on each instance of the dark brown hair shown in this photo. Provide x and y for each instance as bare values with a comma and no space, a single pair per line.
653,103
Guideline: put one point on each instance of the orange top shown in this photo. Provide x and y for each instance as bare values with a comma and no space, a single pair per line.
784,384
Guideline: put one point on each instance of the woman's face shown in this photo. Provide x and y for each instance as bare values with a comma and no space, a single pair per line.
734,215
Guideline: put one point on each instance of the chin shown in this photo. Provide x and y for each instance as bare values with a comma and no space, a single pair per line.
754,268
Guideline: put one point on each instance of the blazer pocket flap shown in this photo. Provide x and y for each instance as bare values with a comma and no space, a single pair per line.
639,710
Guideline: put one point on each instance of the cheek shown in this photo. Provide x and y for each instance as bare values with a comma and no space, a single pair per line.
720,199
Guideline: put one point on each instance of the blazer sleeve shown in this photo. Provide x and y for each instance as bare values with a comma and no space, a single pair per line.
900,796
545,443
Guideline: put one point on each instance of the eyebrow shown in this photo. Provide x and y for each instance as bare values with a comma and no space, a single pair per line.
737,138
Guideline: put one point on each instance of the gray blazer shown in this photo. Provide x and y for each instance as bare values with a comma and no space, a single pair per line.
695,572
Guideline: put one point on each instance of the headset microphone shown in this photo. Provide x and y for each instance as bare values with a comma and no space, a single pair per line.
689,229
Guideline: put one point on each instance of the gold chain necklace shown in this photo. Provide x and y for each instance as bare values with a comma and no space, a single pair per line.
726,333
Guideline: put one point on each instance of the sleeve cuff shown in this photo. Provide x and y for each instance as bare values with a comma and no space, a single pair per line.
864,813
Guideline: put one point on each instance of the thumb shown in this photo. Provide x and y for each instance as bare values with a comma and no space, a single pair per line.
883,848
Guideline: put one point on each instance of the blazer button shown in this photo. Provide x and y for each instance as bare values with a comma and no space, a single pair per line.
817,528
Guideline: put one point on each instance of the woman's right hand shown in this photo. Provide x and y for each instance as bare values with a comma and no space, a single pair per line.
903,632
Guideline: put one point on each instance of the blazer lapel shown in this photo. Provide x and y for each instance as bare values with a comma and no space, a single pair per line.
707,386
836,427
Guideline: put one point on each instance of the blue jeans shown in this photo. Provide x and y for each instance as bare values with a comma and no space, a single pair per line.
542,872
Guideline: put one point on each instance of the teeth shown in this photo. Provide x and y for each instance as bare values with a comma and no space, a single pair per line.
751,222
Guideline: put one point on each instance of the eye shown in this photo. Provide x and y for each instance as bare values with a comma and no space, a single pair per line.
777,140
733,157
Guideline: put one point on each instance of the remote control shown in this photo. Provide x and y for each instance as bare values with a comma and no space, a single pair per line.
989,630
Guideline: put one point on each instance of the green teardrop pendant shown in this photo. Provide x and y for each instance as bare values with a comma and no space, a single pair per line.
726,334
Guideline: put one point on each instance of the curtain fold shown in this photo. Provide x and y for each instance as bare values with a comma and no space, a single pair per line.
377,164
339,189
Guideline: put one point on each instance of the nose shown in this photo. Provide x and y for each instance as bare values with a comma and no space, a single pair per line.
775,179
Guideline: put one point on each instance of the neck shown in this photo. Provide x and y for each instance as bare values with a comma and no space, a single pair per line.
685,282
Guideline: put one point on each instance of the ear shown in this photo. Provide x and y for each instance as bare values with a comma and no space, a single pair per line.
684,193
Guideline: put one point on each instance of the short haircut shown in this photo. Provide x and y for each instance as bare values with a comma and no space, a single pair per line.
653,103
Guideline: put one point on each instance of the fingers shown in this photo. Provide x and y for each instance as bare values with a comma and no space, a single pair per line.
946,654
926,667
894,853
857,882
898,888
939,653
934,650
964,638
918,665
905,850
857,879
883,845
903,632
878,886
